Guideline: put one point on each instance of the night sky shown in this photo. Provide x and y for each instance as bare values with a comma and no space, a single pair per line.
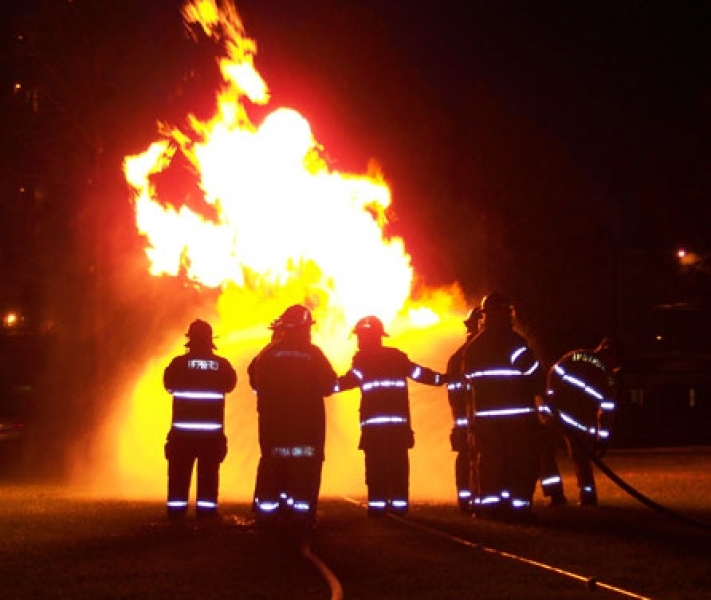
538,148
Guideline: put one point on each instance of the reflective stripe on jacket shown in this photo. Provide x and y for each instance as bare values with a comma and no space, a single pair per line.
199,383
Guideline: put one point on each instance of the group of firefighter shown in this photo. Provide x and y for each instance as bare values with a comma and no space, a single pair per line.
509,417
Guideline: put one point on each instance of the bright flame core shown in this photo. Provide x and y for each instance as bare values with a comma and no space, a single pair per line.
275,226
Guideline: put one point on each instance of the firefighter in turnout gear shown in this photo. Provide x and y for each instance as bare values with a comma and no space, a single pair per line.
458,393
291,377
581,396
550,439
381,373
505,379
198,381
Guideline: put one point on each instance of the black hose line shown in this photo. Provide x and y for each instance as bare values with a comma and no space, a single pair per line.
622,484
637,495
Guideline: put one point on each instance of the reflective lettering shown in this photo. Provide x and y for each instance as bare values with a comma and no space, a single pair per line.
203,364
293,451
292,354
588,358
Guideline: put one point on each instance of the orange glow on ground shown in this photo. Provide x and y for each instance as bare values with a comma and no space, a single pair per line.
133,465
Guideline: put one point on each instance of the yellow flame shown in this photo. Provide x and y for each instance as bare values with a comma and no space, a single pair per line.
275,226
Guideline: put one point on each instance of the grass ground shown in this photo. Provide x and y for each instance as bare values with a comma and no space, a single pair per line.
56,545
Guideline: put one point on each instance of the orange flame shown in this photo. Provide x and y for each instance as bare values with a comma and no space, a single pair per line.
278,211
273,226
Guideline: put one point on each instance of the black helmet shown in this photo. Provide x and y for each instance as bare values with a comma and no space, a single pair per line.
294,317
496,301
473,319
606,345
199,332
369,326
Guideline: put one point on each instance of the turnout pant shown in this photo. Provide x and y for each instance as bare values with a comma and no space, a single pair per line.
464,466
579,451
550,439
183,450
387,468
287,486
508,462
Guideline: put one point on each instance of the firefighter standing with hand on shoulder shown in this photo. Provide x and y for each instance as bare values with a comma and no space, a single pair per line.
381,373
198,381
458,393
505,378
581,395
291,377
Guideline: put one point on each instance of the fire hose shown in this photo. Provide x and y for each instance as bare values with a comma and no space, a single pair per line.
622,484
637,495
334,585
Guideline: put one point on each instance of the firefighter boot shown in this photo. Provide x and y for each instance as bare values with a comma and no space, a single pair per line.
588,496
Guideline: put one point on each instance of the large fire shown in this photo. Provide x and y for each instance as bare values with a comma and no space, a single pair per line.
275,226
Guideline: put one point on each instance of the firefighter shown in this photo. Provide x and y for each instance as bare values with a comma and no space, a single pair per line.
505,378
581,396
198,381
381,373
550,440
458,391
291,377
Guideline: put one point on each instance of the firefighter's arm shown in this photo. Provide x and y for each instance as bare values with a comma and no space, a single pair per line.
230,377
545,414
169,382
426,375
348,381
328,380
602,439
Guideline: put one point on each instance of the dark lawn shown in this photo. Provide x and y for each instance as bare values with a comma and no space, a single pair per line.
54,544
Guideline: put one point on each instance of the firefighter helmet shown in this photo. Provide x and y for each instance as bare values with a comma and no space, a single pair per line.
606,345
294,317
199,332
369,326
473,319
496,301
